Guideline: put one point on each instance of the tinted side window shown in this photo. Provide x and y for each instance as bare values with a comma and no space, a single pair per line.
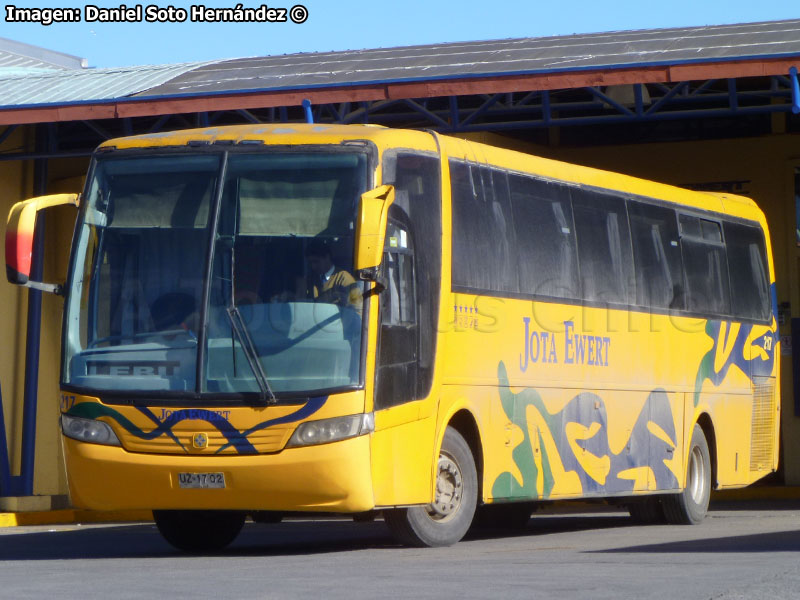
418,195
399,333
657,256
747,265
548,262
706,266
604,246
399,300
483,239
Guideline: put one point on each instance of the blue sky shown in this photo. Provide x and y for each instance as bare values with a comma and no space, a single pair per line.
354,24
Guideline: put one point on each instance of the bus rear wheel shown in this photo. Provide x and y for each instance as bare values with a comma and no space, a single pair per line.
447,519
199,531
690,506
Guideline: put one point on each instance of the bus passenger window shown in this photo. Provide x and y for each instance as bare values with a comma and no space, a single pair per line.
603,246
547,261
483,238
747,265
657,256
706,266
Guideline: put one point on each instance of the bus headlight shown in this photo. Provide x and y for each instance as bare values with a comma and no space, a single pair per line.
332,430
89,430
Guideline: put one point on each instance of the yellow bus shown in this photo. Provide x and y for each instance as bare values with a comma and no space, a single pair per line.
313,318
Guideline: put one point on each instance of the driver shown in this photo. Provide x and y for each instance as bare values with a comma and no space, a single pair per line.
329,283
174,311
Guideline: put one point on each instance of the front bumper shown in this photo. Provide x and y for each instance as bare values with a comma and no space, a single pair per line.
326,478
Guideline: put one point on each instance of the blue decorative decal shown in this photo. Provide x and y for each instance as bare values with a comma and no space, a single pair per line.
586,410
234,437
732,342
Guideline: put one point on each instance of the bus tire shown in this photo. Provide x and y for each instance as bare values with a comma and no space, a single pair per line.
444,522
647,511
689,507
199,531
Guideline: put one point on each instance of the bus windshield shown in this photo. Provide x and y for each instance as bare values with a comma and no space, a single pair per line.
217,274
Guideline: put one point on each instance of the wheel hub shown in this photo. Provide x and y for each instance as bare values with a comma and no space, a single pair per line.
449,489
697,478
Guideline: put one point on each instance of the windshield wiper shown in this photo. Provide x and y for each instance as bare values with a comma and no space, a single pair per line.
249,349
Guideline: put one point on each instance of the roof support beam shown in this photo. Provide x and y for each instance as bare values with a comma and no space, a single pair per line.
483,108
104,135
611,102
248,116
433,117
7,132
159,124
666,97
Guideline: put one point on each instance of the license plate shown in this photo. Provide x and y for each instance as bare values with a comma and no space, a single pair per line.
201,480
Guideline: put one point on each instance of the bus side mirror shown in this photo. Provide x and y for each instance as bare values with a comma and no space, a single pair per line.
373,214
20,233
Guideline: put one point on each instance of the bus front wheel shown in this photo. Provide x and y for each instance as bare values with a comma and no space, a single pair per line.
199,530
689,507
447,519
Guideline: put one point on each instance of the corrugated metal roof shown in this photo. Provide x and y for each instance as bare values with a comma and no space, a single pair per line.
492,58
58,87
601,51
19,58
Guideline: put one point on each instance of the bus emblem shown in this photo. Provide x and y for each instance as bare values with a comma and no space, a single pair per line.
200,440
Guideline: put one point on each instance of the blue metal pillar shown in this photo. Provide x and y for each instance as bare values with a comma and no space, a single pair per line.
547,114
638,97
5,463
795,90
307,110
32,344
34,330
454,116
733,100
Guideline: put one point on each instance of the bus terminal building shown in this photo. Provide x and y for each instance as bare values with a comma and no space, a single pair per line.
709,108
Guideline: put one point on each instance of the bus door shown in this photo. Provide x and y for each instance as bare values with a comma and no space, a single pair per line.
397,375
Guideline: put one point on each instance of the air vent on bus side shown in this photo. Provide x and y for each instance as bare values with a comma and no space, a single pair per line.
762,445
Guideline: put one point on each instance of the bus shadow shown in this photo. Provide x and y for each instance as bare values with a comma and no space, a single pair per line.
776,541
127,541
551,524
144,541
293,537
771,504
312,537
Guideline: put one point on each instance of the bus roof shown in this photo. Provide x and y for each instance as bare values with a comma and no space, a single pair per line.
272,133
303,133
